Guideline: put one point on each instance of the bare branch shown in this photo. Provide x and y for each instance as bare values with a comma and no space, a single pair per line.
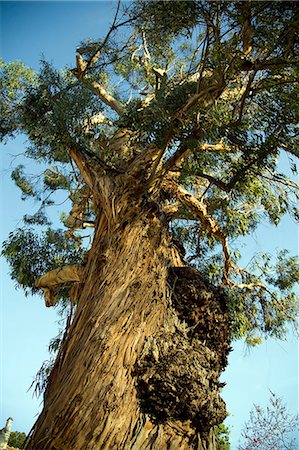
96,54
223,186
199,210
107,98
180,156
80,73
248,286
211,89
83,166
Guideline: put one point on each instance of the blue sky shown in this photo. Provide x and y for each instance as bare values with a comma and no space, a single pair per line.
54,29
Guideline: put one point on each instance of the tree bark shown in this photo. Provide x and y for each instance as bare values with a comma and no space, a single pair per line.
140,364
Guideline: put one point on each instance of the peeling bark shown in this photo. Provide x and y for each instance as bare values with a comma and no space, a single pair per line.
51,281
139,367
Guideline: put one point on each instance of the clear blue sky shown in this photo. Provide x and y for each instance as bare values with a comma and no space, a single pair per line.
54,29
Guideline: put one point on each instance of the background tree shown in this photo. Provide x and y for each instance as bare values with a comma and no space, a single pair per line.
166,137
17,439
270,428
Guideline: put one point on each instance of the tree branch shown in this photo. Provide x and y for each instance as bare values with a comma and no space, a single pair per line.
107,98
248,65
199,210
83,166
223,186
249,286
97,119
179,157
80,73
210,90
98,49
245,95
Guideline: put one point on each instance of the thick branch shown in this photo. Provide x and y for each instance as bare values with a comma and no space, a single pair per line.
75,218
210,90
269,64
179,157
80,73
95,120
199,210
107,98
250,286
223,186
83,167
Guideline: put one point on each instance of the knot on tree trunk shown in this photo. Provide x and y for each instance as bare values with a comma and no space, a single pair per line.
178,371
204,308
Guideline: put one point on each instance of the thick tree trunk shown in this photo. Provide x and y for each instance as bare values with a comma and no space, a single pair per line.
139,367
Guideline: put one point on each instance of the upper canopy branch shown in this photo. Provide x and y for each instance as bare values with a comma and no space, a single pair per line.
80,73
97,52
179,157
210,90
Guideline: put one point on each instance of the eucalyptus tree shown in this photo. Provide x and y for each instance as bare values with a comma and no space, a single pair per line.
166,137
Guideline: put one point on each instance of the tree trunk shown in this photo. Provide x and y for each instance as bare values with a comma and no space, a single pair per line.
139,367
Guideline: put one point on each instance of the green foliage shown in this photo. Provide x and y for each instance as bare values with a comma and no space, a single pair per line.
52,111
185,79
286,272
160,19
272,303
22,182
16,439
222,437
42,377
31,255
15,78
39,218
54,179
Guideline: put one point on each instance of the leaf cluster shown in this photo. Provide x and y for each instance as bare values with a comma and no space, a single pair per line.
16,439
185,79
15,79
31,255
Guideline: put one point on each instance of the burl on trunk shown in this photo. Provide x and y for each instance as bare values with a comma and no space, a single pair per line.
140,366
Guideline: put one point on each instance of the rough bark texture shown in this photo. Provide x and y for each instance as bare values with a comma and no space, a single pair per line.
139,367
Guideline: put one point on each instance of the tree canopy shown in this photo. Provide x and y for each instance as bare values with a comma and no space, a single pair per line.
199,100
